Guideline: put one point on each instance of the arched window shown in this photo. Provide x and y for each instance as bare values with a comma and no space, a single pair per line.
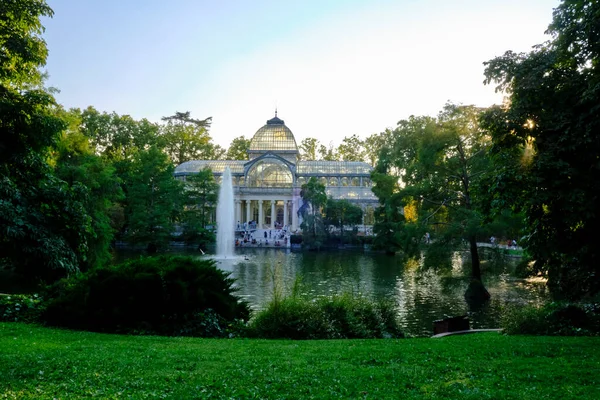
269,173
355,182
333,182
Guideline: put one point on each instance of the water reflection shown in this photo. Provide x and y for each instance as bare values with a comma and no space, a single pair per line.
422,294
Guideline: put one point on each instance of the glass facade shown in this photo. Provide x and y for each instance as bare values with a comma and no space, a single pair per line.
269,173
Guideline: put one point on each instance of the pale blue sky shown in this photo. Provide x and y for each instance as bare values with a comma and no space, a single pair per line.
332,68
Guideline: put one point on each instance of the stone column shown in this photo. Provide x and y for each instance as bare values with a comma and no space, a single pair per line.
238,213
272,214
294,214
247,212
261,216
285,213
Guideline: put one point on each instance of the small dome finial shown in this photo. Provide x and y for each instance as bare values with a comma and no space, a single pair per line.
275,112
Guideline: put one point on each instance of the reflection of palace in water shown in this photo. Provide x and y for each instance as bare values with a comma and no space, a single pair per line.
267,185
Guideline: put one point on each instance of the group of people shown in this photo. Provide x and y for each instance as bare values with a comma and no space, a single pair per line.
510,243
275,237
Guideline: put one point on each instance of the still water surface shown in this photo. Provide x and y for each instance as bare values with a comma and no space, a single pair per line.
421,295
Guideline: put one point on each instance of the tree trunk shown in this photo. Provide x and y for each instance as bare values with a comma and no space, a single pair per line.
475,264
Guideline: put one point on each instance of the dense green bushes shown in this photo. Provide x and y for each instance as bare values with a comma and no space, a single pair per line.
562,319
20,307
337,317
156,295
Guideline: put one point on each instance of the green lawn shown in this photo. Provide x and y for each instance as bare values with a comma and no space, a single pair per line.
42,363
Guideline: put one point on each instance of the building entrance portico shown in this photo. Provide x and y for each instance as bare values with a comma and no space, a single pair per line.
263,213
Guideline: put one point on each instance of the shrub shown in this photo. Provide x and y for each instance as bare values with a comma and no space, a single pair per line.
20,307
556,319
337,317
157,295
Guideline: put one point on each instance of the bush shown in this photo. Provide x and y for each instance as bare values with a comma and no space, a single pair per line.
20,307
337,317
555,319
156,295
296,239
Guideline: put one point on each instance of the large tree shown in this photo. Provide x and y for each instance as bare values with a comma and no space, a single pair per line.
352,148
238,149
314,200
441,162
200,200
75,163
341,213
154,200
308,148
43,221
550,130
185,138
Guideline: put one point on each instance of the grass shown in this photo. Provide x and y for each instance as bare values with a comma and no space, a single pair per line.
43,363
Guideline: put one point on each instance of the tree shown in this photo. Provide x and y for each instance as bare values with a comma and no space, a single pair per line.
373,145
440,162
117,137
200,202
238,149
550,132
76,164
314,199
308,149
341,213
43,222
351,149
185,139
328,153
154,200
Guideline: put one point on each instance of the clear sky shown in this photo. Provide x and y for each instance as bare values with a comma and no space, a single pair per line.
333,68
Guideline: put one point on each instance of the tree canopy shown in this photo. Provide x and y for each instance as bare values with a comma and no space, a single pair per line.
548,134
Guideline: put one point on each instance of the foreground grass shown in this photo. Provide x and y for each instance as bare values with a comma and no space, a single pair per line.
43,363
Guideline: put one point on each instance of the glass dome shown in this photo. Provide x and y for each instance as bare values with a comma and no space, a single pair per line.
274,136
269,173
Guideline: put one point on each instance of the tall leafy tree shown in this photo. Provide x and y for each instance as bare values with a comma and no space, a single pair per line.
441,162
43,222
201,193
185,138
309,148
328,153
154,200
314,200
352,148
373,145
238,149
341,213
75,163
549,131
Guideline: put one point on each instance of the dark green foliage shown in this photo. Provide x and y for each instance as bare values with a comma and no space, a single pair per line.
314,200
548,137
20,307
337,317
154,200
159,295
562,319
296,239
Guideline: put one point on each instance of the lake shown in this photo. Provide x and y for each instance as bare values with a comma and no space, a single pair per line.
421,295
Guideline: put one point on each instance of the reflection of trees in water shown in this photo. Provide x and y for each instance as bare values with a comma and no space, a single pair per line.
422,294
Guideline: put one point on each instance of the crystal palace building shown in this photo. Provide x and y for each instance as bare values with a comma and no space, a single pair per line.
267,185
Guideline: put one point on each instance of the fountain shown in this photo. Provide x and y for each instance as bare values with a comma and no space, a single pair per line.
225,218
